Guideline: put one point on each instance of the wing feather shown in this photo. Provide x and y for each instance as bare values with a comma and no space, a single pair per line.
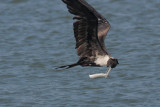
90,28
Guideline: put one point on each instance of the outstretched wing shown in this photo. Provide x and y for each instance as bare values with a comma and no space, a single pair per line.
103,28
90,28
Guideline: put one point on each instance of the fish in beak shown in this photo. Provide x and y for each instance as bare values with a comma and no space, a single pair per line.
98,75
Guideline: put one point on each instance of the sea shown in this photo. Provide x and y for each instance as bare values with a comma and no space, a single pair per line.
36,36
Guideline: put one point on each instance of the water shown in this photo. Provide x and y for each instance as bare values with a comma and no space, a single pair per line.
36,36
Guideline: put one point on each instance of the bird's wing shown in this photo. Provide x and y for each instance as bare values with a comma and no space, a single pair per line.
89,29
103,28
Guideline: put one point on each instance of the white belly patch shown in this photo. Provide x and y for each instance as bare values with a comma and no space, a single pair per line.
102,60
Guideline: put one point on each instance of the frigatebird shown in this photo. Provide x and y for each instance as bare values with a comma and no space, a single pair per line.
90,30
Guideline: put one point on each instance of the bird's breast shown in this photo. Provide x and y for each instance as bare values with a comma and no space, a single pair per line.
102,60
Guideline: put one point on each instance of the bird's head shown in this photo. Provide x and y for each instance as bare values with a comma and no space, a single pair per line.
112,62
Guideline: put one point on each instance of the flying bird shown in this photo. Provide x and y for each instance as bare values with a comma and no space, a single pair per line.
90,30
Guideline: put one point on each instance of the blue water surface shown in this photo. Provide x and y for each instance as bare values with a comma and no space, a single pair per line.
36,36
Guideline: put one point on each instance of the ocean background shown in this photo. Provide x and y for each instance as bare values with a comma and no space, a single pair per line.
37,35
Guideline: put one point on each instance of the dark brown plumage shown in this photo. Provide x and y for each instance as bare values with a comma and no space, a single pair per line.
89,24
90,30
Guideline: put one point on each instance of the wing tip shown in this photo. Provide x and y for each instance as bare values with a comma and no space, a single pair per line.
65,1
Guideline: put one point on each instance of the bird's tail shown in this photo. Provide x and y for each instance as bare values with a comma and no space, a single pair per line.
68,66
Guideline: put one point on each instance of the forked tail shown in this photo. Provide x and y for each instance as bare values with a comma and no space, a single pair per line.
68,66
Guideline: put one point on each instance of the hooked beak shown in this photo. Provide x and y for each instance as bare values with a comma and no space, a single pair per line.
109,69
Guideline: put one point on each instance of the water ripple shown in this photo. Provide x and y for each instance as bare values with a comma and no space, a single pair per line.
38,36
